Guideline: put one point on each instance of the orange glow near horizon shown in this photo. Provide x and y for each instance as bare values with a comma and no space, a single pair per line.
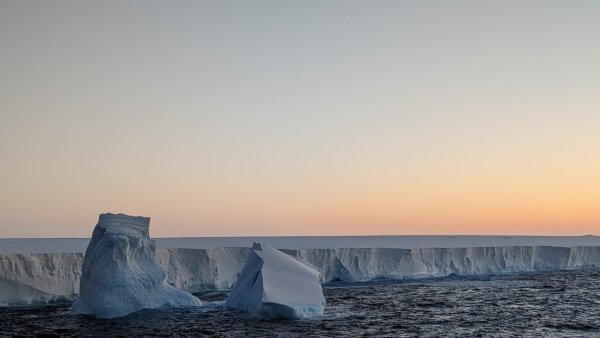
525,192
354,202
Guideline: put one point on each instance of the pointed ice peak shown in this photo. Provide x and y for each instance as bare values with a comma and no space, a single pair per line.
257,246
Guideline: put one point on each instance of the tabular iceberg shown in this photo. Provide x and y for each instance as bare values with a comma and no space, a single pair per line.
275,285
120,273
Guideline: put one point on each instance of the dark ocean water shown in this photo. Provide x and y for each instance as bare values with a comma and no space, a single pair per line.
557,304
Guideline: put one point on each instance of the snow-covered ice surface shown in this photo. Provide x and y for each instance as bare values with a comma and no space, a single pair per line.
67,245
398,242
274,285
120,273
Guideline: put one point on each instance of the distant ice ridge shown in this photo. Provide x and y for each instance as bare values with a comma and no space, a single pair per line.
38,277
274,285
63,245
121,274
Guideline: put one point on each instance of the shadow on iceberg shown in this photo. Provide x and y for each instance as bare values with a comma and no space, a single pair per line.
120,273
274,285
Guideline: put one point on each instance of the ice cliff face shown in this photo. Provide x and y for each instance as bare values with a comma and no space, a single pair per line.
353,264
120,273
35,278
584,257
198,270
369,264
39,278
274,285
471,261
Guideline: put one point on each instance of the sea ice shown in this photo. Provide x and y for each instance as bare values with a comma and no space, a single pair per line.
273,285
120,272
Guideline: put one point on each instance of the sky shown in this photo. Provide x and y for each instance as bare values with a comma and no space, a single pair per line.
233,118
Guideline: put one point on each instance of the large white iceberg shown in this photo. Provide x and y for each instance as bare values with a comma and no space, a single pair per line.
275,285
120,273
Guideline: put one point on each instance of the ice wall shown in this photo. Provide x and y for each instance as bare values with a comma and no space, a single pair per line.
51,276
198,270
39,278
369,264
584,257
473,261
354,264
